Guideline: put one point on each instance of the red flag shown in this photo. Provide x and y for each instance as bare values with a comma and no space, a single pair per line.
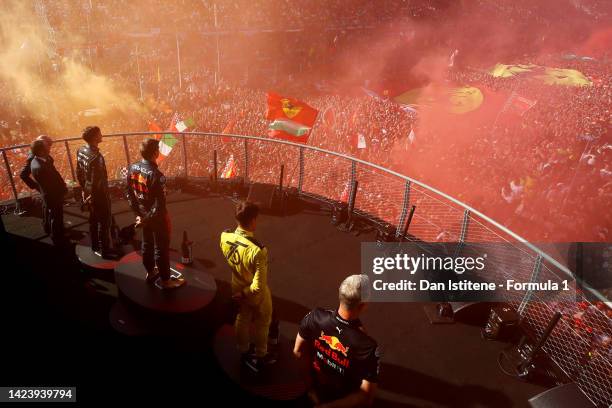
228,129
353,139
519,104
291,119
154,127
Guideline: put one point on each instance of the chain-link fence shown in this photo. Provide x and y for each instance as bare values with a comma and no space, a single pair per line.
581,342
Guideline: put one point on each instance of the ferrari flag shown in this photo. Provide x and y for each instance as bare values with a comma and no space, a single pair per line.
290,118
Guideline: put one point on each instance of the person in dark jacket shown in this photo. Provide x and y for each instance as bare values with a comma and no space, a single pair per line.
147,197
92,176
344,358
52,189
26,176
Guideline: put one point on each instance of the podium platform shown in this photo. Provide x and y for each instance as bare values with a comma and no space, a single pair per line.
308,260
286,380
87,257
199,290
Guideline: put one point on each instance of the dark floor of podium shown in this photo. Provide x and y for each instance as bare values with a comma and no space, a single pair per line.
57,329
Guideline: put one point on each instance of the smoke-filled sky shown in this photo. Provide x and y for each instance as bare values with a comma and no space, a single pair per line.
24,55
481,32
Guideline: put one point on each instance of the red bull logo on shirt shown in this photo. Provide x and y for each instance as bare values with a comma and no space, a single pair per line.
334,343
331,350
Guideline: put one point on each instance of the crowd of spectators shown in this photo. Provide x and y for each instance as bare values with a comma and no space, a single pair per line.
546,174
553,162
112,16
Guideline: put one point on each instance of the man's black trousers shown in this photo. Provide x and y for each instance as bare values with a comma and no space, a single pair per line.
156,245
99,222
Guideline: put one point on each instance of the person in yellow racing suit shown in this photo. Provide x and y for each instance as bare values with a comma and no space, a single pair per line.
248,260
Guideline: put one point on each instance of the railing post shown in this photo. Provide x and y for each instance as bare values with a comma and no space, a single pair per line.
246,160
10,176
405,204
70,160
404,233
215,167
127,151
280,188
184,155
352,193
351,205
579,271
463,234
464,226
301,176
535,274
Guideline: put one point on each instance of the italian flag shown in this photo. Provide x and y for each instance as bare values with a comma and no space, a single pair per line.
288,126
167,141
290,119
184,125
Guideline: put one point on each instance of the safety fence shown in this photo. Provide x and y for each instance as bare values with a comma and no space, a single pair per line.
581,342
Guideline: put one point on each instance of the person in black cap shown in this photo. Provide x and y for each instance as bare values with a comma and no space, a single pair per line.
147,197
93,179
52,189
26,176
345,360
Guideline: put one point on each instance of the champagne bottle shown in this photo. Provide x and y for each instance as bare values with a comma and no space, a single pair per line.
186,257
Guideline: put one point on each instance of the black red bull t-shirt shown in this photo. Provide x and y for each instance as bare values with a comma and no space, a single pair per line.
343,354
145,189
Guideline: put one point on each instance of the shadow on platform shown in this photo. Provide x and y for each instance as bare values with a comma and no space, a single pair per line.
56,309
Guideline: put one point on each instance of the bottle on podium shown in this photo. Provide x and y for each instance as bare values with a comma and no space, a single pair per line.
186,255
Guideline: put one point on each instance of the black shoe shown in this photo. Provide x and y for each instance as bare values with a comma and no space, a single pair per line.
257,364
171,283
152,276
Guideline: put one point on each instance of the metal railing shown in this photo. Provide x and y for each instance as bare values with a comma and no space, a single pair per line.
385,196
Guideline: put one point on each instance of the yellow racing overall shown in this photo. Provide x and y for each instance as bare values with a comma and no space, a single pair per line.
248,260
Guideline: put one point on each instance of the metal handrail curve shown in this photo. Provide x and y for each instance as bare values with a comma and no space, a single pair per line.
489,220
